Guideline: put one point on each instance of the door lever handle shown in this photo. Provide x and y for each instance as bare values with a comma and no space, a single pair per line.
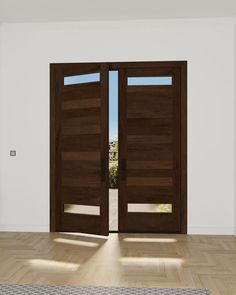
123,169
103,170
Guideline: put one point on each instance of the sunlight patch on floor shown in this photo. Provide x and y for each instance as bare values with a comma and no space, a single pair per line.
46,264
150,240
86,235
76,242
135,261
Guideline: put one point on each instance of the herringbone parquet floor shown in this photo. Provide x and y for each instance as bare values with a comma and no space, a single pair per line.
122,260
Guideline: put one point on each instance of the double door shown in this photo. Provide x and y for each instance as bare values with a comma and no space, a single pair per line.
152,173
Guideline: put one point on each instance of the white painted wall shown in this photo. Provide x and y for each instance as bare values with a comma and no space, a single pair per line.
27,50
235,122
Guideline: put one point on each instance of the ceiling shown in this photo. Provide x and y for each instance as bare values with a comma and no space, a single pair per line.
93,10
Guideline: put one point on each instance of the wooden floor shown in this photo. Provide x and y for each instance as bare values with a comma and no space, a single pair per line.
122,260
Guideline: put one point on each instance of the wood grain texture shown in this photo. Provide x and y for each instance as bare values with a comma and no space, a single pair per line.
151,141
131,260
81,104
153,115
85,125
149,181
81,143
79,146
82,181
146,105
83,156
150,164
81,91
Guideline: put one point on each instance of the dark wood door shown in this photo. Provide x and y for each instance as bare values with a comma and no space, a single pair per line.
152,147
79,148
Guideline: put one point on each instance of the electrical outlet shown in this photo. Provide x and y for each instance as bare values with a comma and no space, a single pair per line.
12,153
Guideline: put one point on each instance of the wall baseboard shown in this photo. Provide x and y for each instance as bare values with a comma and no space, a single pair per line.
211,230
24,228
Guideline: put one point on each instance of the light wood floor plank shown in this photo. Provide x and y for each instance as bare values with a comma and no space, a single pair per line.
135,260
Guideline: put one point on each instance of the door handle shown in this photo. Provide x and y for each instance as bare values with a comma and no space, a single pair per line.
103,170
123,169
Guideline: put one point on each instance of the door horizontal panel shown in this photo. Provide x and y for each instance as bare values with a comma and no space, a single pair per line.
149,139
85,181
149,147
81,223
92,129
81,104
137,113
80,168
162,122
144,130
151,93
81,143
81,113
161,164
77,156
83,200
157,107
81,195
145,196
73,69
85,125
81,121
149,126
158,90
81,91
150,172
151,70
149,181
160,97
152,222
149,156
150,192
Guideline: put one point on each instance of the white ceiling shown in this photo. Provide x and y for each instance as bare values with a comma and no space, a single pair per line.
78,10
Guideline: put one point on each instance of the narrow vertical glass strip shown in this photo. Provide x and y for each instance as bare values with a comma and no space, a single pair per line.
113,150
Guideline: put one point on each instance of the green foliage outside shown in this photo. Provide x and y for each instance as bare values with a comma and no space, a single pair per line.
113,174
164,208
116,157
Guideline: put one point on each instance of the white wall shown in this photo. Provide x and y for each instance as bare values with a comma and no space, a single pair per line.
27,50
235,122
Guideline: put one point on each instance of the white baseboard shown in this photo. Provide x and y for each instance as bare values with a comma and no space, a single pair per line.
211,230
24,228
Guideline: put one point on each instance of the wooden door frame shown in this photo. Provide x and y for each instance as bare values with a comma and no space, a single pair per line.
182,65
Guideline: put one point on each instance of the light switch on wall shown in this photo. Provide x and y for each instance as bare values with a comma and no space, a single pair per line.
12,153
